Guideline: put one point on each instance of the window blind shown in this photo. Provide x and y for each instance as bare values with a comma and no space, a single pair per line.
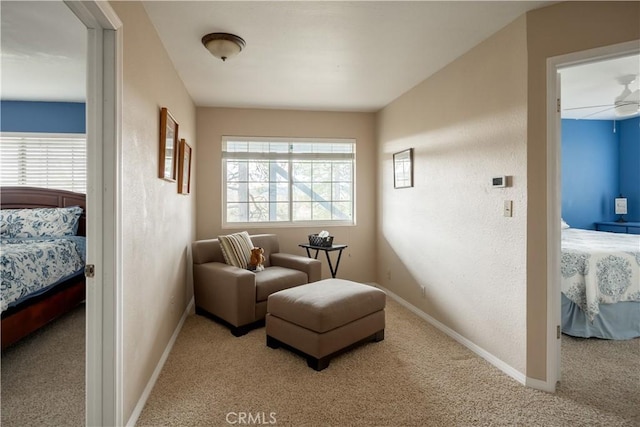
58,162
283,181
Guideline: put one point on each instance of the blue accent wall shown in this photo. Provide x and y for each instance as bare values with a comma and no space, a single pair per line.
630,166
590,177
45,117
597,166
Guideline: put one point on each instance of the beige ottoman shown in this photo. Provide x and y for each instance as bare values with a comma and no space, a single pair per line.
325,318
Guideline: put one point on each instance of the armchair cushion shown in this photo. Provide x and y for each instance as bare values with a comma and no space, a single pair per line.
274,279
236,249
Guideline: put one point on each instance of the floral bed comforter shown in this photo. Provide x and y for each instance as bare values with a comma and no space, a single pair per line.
599,268
31,265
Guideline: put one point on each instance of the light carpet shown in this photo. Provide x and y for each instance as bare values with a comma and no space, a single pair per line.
43,376
417,376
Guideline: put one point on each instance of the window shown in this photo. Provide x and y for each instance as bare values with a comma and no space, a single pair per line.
48,161
285,181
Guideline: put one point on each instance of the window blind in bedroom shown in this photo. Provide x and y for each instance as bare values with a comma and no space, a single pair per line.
47,161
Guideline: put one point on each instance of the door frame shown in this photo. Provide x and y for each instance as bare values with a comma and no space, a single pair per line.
104,367
554,181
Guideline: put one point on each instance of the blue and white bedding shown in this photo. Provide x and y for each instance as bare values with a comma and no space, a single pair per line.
600,268
39,222
620,321
30,266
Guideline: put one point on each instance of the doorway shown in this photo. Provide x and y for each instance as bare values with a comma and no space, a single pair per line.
43,77
103,81
554,204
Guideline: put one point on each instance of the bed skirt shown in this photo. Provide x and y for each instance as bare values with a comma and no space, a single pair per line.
620,321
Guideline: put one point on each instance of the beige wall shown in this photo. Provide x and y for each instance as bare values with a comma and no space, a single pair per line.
467,124
473,120
552,31
158,224
358,259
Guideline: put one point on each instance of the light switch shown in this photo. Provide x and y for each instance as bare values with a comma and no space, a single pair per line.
508,208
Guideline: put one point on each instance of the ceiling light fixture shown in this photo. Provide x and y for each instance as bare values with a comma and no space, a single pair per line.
223,45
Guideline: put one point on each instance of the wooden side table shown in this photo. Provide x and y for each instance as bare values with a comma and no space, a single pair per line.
326,250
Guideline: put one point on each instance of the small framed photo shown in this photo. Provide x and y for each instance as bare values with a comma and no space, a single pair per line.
184,168
168,146
403,169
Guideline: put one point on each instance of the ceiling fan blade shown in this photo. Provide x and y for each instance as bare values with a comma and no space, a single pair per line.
598,112
589,106
633,96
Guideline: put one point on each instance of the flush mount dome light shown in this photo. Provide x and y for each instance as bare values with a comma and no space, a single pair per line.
223,45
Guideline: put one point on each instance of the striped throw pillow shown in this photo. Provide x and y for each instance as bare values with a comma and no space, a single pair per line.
236,249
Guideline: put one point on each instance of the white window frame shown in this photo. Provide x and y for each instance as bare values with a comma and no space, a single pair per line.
289,157
49,136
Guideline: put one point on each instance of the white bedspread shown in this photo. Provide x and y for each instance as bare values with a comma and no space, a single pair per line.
600,268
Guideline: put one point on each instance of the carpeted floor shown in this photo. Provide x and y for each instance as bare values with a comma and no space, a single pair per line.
417,376
43,376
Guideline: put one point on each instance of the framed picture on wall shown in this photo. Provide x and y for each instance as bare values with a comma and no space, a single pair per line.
184,168
403,169
168,146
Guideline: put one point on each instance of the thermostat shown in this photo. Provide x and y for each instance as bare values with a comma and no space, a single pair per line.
499,181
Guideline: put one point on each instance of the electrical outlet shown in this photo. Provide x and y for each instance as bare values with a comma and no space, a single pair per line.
423,291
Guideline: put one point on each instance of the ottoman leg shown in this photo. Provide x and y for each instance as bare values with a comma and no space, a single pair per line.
318,364
272,342
379,336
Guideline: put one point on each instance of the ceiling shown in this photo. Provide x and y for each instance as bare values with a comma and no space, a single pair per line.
335,55
328,55
589,90
43,55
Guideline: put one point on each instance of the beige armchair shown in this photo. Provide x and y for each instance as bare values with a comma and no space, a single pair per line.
238,297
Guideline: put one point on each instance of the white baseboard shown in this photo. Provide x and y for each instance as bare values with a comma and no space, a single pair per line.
156,372
504,367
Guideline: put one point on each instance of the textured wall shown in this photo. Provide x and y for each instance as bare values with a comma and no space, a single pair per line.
467,124
158,224
357,260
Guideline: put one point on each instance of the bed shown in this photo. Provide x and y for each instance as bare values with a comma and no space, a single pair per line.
43,249
600,283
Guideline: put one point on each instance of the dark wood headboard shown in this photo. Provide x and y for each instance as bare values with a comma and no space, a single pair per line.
32,197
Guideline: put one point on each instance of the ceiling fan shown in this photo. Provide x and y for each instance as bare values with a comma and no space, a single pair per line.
625,104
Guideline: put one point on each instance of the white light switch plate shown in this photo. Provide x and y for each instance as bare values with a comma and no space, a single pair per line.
508,208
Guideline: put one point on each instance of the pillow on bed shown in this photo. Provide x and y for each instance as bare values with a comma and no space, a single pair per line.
236,249
39,222
563,225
